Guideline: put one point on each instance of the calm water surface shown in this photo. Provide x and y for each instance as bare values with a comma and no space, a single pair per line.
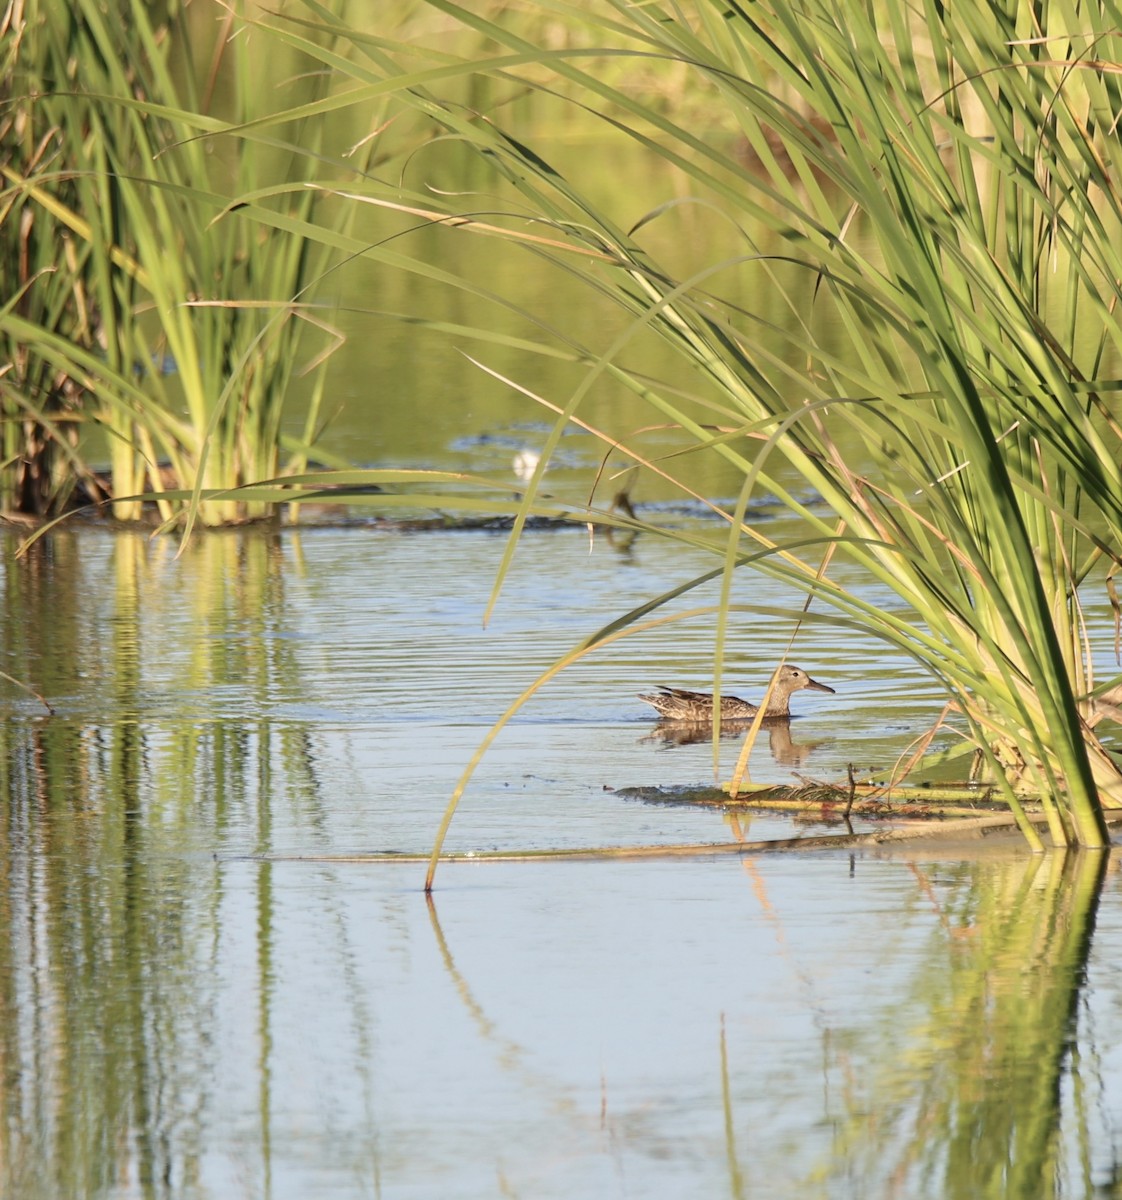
200,1002
201,999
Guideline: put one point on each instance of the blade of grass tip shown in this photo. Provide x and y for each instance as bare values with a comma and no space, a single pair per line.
736,1175
740,774
23,549
732,561
594,642
899,773
606,438
601,366
212,424
28,689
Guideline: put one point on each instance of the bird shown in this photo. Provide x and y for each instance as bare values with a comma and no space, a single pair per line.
676,704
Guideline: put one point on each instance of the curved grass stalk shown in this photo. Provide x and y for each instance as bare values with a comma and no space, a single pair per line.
626,626
936,182
602,638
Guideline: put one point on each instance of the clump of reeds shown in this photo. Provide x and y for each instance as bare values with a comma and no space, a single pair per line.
944,180
139,304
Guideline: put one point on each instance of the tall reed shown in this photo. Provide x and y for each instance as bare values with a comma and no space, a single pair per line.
946,176
141,304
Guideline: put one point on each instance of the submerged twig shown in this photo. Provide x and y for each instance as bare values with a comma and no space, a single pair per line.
852,792
897,835
29,690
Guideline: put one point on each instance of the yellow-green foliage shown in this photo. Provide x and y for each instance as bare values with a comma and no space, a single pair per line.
139,302
946,178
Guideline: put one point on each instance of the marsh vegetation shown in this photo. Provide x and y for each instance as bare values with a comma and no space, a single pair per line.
836,329
940,184
946,179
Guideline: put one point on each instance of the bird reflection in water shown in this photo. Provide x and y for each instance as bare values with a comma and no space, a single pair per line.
784,750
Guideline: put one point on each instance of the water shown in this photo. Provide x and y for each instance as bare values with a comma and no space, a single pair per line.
202,998
209,987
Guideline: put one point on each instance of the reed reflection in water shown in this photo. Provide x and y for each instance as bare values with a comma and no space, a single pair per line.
188,1010
831,1024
